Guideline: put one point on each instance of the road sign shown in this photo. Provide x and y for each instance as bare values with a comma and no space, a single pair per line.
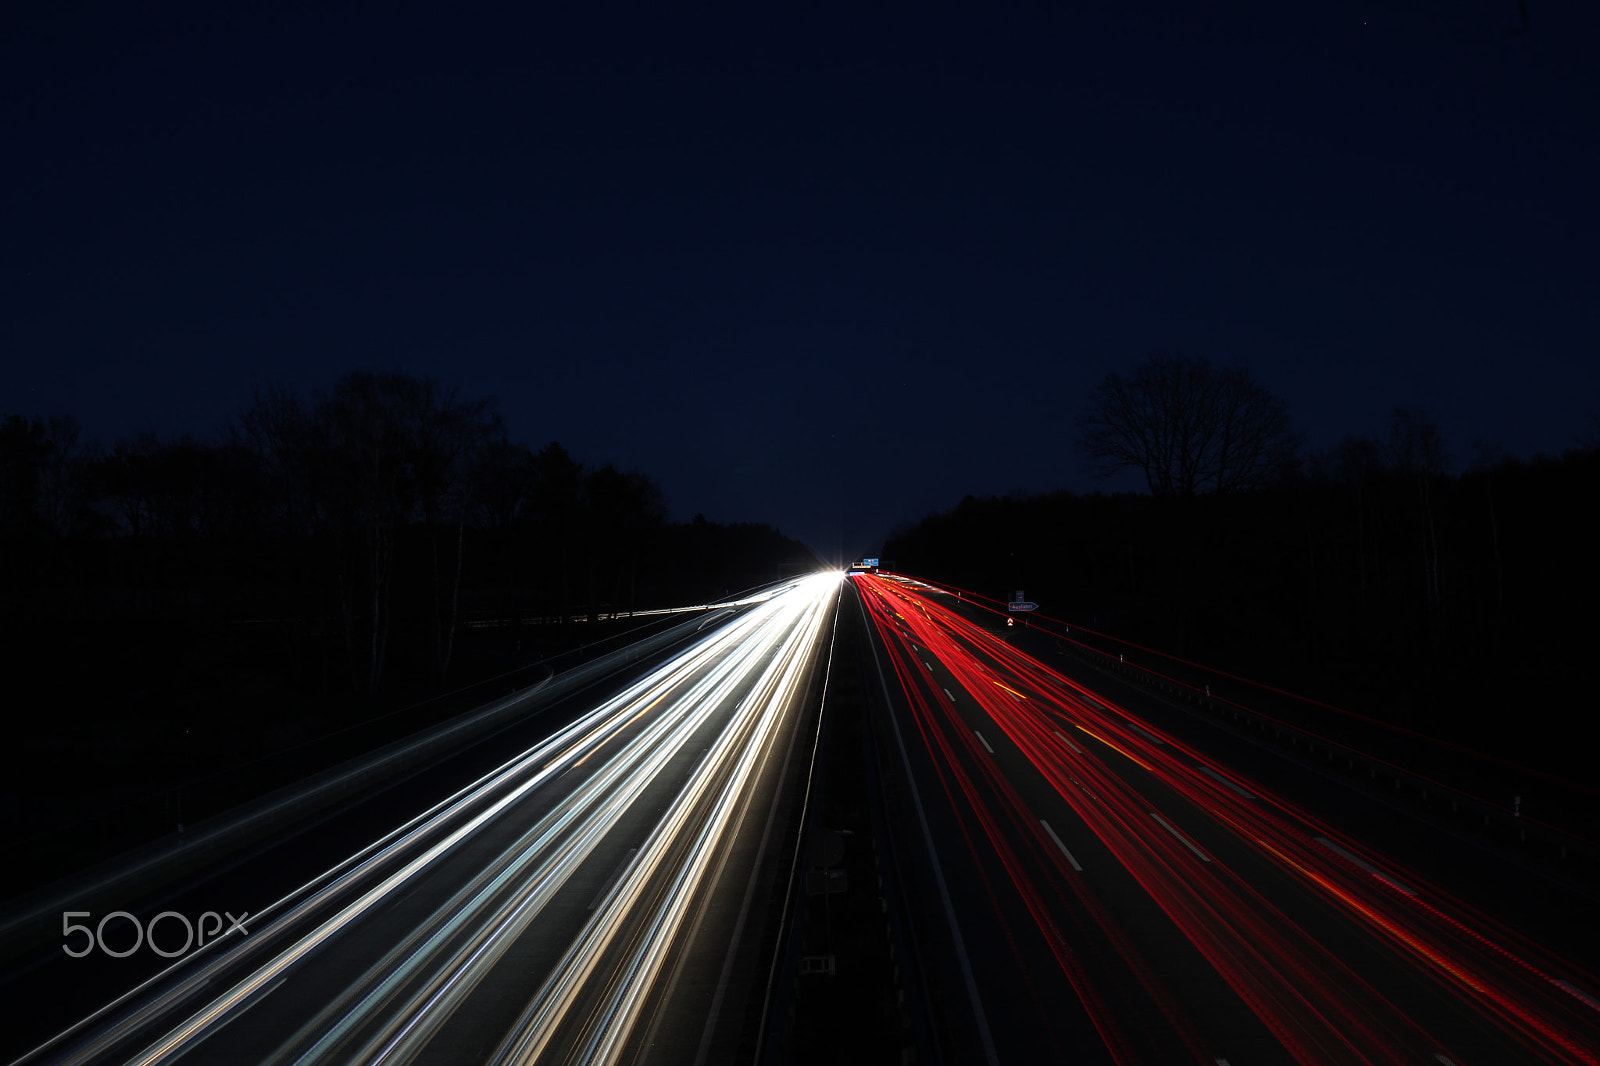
1023,606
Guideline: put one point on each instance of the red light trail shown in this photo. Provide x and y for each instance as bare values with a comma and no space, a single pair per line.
1197,838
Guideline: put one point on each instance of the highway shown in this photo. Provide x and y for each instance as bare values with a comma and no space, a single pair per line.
1121,896
1060,876
593,898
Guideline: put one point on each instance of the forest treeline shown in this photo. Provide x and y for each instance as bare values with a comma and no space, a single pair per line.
364,526
1369,575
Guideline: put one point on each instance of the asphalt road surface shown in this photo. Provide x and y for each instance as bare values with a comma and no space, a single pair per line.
1123,897
591,898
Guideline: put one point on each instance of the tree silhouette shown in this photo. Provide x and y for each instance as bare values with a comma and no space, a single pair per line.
23,453
1416,450
502,475
623,510
278,428
1188,427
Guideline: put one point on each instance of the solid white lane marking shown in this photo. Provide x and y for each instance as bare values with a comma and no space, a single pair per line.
1060,845
985,743
1185,841
1067,742
1223,781
1399,886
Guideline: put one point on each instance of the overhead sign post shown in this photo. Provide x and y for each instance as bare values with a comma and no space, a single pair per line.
1019,604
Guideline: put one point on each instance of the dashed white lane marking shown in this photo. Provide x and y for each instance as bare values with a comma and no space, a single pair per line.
1399,886
985,743
952,695
615,875
1574,990
928,665
1151,737
1060,845
1225,783
1445,1059
1067,742
1185,841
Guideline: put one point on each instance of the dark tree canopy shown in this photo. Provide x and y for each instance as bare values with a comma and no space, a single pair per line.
1189,427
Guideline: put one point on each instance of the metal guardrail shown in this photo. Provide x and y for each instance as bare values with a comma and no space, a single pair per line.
1405,783
1402,783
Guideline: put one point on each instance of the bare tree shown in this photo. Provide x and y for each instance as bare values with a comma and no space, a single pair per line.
61,474
1188,427
502,477
383,463
623,509
23,451
278,427
1416,449
557,505
1357,462
395,450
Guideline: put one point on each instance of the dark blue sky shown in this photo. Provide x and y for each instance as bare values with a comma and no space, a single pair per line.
826,266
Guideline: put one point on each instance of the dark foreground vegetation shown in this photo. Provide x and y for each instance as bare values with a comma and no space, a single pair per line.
1460,605
174,608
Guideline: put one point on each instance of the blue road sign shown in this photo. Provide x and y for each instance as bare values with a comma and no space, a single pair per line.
1023,606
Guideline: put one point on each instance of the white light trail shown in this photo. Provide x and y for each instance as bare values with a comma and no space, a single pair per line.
728,694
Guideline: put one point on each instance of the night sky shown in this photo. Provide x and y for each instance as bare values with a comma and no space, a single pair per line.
826,266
